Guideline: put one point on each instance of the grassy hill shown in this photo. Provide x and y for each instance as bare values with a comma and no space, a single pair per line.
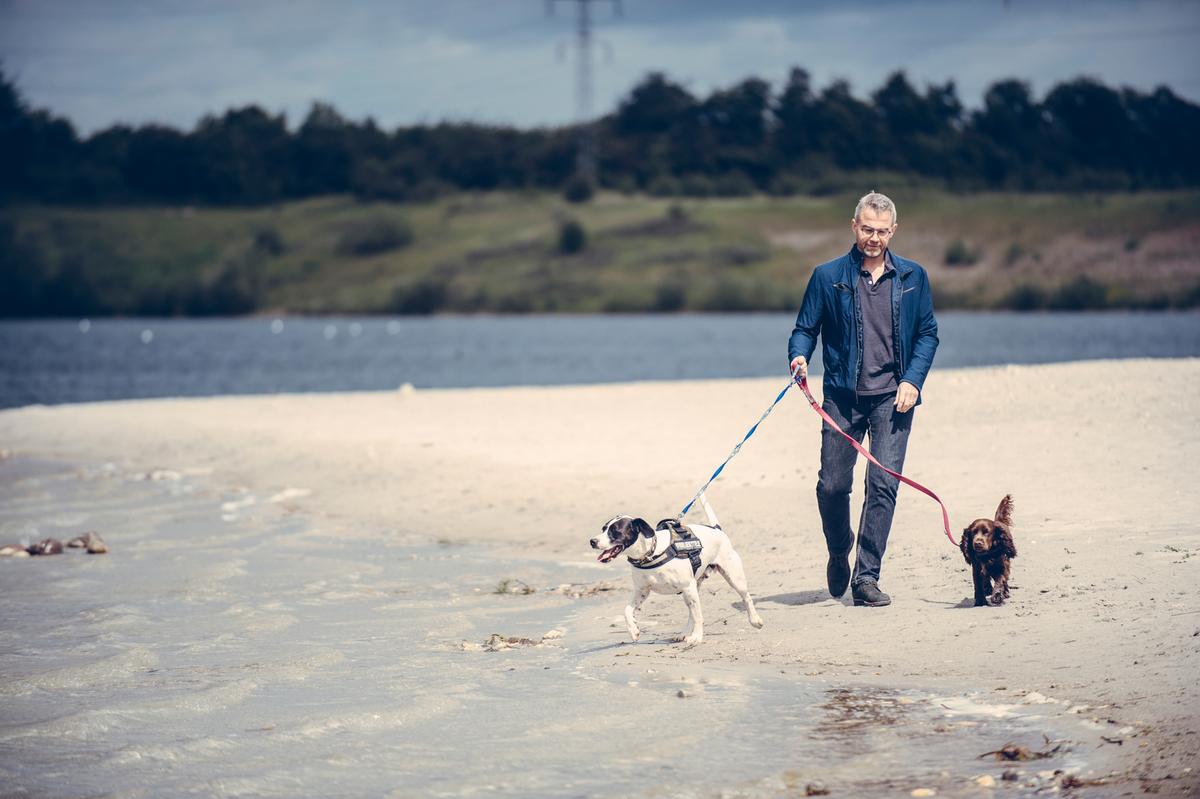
506,252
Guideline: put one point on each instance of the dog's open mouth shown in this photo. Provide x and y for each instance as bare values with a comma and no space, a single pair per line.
610,553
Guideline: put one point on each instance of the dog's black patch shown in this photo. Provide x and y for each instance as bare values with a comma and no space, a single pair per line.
622,532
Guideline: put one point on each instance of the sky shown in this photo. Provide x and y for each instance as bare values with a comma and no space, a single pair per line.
404,62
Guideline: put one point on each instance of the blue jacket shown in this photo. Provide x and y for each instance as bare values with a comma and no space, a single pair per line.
829,310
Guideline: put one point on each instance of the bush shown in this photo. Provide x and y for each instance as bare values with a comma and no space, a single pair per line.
374,236
268,241
1014,253
697,186
578,190
959,254
664,186
670,296
1081,294
420,298
623,184
734,184
1025,297
572,238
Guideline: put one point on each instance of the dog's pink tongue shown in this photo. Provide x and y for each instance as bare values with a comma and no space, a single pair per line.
608,554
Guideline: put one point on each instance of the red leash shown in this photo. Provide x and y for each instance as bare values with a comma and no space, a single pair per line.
803,383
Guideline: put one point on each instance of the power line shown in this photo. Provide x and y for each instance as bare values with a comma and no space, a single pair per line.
585,157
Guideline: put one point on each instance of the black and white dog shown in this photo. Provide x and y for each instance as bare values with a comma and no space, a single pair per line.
657,567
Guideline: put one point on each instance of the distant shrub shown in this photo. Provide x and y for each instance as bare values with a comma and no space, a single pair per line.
268,241
624,184
959,254
578,190
428,190
1014,253
664,186
420,298
514,303
670,296
946,299
572,238
697,186
677,214
1132,243
738,255
1081,294
374,236
786,185
734,184
1025,297
1189,298
743,293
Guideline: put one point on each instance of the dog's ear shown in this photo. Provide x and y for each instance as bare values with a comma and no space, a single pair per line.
1002,540
642,528
1004,510
964,544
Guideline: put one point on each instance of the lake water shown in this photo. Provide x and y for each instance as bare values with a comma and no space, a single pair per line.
57,361
227,648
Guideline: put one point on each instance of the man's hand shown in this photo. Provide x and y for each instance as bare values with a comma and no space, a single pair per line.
906,397
800,361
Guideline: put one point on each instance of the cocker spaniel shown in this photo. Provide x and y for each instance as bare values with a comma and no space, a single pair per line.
987,544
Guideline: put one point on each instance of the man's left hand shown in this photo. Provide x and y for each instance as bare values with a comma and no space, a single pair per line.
906,397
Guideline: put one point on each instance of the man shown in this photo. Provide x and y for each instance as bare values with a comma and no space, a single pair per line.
874,314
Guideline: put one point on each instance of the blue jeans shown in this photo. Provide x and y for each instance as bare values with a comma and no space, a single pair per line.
877,417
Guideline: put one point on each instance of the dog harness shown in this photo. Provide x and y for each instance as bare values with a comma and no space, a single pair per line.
684,544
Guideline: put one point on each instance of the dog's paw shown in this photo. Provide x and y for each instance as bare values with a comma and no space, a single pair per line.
997,598
756,622
634,634
693,640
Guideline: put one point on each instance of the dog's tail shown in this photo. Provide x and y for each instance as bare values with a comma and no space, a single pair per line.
708,511
1005,510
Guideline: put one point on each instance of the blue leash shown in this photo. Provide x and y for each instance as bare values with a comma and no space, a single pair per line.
736,449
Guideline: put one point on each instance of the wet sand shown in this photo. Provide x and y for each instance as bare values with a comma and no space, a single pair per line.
1102,459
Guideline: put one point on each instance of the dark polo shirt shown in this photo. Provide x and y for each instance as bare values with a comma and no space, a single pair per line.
877,374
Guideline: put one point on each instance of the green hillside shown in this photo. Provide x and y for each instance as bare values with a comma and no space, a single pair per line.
507,252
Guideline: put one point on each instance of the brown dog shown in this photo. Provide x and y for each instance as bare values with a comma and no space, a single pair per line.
988,546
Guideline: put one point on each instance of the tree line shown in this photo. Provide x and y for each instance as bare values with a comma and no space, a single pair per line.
662,138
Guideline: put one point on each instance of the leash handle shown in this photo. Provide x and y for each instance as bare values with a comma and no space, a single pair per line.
803,383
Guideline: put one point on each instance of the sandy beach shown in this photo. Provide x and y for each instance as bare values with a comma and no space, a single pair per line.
1102,459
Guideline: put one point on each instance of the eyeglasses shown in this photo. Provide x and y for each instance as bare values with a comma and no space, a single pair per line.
870,232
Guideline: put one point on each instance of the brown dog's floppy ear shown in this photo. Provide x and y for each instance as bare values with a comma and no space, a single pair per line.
1004,510
642,528
964,544
1003,541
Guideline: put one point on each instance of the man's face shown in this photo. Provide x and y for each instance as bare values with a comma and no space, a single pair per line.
872,231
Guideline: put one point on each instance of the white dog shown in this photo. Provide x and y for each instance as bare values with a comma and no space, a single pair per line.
670,564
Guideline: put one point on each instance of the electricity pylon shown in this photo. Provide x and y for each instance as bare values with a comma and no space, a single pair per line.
585,157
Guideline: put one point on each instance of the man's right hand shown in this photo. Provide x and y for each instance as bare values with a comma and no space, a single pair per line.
802,363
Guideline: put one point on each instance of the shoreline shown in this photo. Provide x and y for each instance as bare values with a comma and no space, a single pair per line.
1104,616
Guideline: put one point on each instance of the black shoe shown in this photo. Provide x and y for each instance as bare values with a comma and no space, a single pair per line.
837,574
868,595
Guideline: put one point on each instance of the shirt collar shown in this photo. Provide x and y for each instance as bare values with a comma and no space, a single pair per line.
888,266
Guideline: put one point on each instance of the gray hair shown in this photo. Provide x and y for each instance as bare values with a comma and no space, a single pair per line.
880,203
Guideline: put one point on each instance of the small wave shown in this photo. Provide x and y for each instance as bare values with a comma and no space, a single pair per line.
254,620
97,672
98,723
415,712
195,749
